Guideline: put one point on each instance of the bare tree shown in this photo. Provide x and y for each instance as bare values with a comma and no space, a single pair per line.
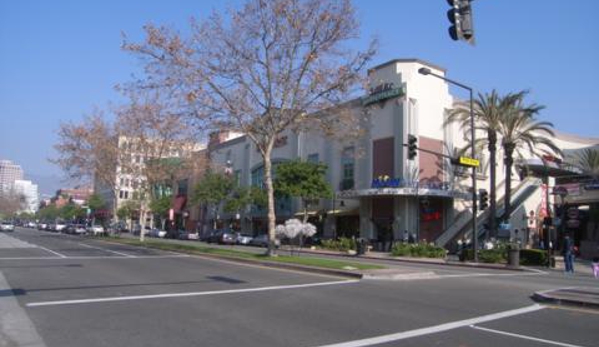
156,147
267,67
11,203
88,152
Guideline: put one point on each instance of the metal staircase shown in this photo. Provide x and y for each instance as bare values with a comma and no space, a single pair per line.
462,224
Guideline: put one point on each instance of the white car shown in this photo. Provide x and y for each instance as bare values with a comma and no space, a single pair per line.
7,226
157,233
60,227
96,230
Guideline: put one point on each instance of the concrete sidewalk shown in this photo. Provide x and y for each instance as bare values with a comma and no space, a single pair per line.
572,296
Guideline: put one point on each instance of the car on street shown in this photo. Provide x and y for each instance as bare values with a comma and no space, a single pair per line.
96,230
243,239
42,226
222,237
60,227
7,226
262,241
157,233
77,229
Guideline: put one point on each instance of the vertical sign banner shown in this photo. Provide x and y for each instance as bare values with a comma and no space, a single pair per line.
171,214
543,211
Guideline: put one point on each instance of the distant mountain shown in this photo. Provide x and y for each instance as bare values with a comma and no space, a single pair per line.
48,184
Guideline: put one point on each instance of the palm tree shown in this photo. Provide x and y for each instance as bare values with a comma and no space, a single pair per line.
520,130
488,112
587,161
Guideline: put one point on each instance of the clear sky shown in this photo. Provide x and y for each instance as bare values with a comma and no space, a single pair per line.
59,59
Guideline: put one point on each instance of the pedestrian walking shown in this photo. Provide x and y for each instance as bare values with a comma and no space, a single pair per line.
595,267
568,253
406,236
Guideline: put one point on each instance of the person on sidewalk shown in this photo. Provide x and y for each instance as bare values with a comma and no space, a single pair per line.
568,253
595,267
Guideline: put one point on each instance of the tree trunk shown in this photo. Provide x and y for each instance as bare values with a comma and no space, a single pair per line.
271,200
492,229
142,226
305,202
509,162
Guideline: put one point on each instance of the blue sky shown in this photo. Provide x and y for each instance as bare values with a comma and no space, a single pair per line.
59,59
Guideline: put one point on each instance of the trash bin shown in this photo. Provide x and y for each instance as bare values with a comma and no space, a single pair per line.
514,256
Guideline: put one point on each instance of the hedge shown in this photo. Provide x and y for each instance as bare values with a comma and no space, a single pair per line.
418,250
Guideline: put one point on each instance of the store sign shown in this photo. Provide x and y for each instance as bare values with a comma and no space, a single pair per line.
387,182
465,161
592,186
382,92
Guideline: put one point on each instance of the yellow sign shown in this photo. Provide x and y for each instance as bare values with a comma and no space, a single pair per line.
469,161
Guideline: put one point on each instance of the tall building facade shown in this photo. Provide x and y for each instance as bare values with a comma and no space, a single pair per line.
9,173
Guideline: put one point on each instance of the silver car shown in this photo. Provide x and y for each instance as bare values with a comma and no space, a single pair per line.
7,226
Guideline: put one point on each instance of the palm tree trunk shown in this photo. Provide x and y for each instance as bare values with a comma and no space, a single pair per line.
509,162
492,229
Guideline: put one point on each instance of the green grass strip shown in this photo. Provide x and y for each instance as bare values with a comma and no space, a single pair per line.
201,249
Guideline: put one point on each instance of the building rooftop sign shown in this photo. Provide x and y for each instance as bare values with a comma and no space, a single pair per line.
382,92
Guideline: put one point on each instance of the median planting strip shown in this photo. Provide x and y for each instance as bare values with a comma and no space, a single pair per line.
309,263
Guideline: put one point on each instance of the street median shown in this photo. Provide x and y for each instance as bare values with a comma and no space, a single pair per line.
308,264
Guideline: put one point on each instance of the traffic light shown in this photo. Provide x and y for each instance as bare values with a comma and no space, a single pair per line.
460,17
412,146
483,199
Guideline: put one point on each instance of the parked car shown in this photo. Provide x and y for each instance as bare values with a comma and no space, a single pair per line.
157,233
243,239
95,229
137,229
42,226
7,226
59,227
193,236
31,225
262,241
78,229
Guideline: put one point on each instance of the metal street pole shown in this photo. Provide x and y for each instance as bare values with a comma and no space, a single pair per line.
426,71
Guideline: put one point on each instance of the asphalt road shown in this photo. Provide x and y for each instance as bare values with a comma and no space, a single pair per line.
60,290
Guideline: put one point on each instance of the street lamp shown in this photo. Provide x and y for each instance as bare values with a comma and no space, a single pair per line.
426,71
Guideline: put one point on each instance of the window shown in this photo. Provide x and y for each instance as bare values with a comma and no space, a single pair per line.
121,194
182,187
347,167
258,177
122,181
313,158
126,194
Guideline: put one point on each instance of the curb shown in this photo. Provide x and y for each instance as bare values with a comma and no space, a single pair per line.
422,261
296,267
546,297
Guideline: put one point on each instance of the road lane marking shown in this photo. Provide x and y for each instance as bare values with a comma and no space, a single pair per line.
178,295
524,337
98,257
53,252
108,250
436,328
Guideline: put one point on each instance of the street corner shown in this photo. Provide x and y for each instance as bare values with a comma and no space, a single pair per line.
571,296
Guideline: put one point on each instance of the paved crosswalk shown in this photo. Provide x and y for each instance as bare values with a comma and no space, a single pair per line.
7,241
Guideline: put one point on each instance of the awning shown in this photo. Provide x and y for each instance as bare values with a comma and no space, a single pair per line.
310,213
345,212
179,203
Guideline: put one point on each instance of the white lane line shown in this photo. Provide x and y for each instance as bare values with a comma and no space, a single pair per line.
51,251
436,328
178,295
98,257
524,337
108,250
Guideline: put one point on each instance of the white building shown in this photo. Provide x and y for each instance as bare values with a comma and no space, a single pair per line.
9,172
379,192
30,191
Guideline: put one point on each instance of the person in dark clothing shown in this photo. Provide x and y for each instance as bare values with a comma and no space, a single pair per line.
568,253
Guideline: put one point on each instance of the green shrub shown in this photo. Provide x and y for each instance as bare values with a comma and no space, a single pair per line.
343,244
417,250
492,256
533,257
